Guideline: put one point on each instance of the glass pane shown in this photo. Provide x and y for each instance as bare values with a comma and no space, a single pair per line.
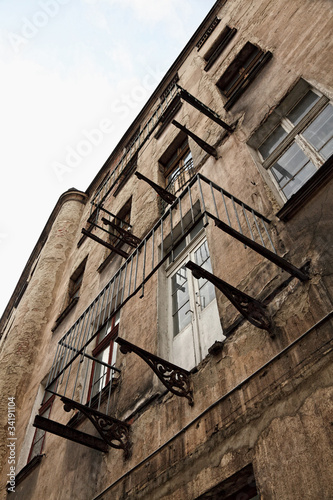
206,288
100,371
289,164
114,354
207,294
173,176
188,160
300,178
320,131
180,300
104,331
202,254
196,229
180,293
181,318
303,107
327,150
272,142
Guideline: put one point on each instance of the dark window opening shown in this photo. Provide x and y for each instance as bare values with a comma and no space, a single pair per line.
239,486
44,411
218,46
75,282
241,72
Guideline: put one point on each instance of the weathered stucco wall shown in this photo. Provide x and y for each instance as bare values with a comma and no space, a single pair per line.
260,399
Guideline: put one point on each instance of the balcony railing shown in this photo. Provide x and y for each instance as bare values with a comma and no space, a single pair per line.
201,199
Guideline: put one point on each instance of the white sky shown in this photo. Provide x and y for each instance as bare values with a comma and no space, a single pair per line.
69,67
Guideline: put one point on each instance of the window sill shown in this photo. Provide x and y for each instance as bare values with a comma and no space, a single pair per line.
27,469
299,199
64,313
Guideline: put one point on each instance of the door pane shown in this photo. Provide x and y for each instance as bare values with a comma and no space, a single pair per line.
180,300
206,288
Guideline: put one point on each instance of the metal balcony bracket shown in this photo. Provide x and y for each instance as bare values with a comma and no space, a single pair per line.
114,432
204,145
105,243
265,252
186,96
165,195
252,309
127,237
69,433
176,379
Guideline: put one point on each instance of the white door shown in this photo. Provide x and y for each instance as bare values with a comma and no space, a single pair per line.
194,319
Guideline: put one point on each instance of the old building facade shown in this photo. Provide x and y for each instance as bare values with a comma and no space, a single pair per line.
171,334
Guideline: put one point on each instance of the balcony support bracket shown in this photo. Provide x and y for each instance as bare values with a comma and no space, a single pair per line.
126,236
176,379
186,96
252,309
273,257
114,432
203,144
165,195
119,251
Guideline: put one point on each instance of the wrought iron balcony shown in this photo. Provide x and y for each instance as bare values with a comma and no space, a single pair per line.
201,199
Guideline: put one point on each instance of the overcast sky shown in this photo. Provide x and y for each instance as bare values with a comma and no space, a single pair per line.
69,68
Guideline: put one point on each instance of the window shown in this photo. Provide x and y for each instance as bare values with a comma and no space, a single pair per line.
218,46
105,351
178,167
75,282
239,486
44,411
122,220
73,293
300,142
241,72
194,322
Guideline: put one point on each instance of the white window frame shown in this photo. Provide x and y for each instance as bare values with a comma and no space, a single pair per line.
294,133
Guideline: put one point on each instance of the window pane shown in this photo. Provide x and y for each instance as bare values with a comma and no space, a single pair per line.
327,150
100,372
272,142
303,107
292,170
303,175
320,131
179,248
196,229
289,164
